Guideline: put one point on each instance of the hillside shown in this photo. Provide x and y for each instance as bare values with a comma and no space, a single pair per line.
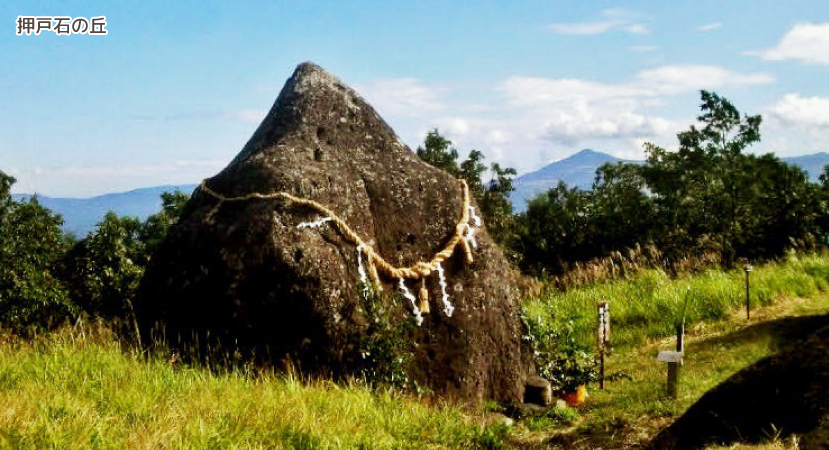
80,215
813,164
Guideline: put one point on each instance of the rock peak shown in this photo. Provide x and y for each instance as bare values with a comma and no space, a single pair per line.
309,76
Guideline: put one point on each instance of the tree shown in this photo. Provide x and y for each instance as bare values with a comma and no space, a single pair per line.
31,242
156,227
623,213
438,152
557,230
702,189
491,197
103,269
496,208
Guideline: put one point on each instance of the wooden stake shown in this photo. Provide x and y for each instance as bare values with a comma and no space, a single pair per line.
602,338
748,270
673,367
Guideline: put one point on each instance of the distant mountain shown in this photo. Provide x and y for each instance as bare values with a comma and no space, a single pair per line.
810,163
80,215
578,170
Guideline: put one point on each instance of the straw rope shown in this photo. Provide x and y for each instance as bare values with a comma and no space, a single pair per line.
376,262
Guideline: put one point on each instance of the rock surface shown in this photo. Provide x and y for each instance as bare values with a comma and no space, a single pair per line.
244,276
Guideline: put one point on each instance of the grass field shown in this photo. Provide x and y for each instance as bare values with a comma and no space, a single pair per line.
788,299
80,388
648,304
77,388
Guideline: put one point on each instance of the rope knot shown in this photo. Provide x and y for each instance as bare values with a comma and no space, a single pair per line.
423,268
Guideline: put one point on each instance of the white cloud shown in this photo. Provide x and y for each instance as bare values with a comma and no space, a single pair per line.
663,80
581,121
528,91
570,113
809,112
674,79
805,42
247,116
582,28
611,20
709,26
636,28
253,116
402,96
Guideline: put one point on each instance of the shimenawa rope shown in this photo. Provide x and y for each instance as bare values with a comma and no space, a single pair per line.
464,235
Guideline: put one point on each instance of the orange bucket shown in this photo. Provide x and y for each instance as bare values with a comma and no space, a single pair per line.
578,397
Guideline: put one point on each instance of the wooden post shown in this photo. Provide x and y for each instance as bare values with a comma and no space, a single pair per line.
748,270
602,338
673,367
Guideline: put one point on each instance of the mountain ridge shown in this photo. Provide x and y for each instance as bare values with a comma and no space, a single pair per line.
577,170
80,215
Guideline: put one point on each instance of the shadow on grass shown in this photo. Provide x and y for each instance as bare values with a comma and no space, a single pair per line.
783,332
778,396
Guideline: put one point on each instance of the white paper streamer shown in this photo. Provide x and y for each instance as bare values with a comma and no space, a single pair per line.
447,307
314,224
475,219
361,270
470,236
408,295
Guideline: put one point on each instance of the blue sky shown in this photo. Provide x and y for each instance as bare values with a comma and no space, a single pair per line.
174,90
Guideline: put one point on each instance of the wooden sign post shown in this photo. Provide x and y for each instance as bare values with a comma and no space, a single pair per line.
748,270
603,338
674,360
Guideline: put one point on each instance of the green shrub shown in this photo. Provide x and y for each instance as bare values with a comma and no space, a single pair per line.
561,356
32,297
381,353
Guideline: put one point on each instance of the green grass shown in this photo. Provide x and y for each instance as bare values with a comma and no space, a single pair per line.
648,304
80,388
71,389
643,310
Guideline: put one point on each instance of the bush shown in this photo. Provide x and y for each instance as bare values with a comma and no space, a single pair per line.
103,269
382,351
31,296
561,356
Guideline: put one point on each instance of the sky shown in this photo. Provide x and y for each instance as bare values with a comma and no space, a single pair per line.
174,90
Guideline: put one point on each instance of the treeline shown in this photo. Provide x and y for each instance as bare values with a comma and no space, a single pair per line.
708,201
48,277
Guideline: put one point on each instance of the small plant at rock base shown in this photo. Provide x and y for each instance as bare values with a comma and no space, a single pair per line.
382,352
560,357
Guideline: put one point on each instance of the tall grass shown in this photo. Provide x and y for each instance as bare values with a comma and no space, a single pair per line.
79,389
649,303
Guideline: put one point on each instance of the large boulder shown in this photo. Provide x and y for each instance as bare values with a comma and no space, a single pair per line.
247,274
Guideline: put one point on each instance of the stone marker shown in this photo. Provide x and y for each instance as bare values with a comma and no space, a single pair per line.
245,269
538,391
